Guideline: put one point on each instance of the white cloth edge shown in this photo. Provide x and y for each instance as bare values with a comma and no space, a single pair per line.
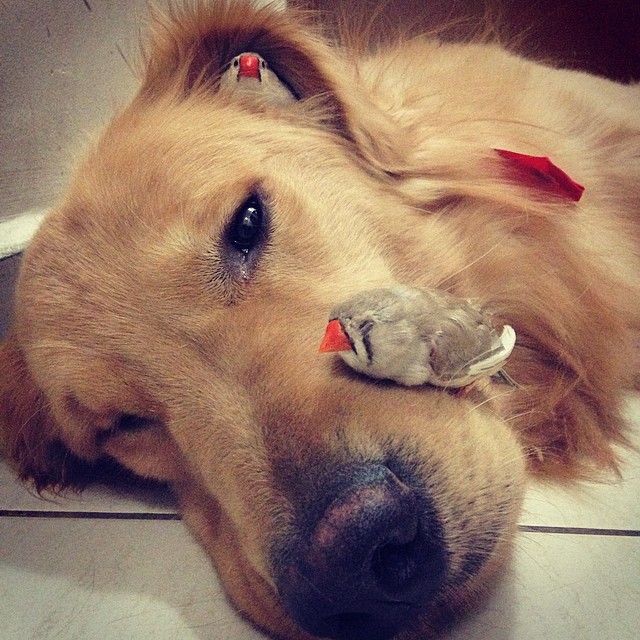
15,233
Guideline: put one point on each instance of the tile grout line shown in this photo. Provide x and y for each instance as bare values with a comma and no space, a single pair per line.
120,515
87,515
584,531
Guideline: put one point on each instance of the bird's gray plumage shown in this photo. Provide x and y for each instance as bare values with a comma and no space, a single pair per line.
416,336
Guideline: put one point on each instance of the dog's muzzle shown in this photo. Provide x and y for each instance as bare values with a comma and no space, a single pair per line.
368,564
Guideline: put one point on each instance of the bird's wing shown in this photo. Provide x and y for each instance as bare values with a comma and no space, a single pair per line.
494,359
486,364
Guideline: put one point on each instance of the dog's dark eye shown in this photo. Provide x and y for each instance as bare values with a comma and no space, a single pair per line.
247,227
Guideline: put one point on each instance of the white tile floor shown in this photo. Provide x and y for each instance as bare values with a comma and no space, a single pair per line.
128,569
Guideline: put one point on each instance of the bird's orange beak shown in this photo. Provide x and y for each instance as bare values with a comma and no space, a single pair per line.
335,339
249,67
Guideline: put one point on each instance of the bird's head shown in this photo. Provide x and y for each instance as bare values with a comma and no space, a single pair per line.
375,333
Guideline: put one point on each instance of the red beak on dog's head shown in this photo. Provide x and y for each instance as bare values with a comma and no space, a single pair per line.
335,338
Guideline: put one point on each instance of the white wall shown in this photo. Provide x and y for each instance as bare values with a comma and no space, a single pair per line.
62,71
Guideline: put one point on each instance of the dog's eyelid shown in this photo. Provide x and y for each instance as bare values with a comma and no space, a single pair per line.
125,424
130,423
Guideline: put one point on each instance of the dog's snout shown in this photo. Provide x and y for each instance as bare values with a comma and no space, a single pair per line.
369,564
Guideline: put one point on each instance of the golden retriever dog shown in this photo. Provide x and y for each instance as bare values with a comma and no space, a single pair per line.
170,308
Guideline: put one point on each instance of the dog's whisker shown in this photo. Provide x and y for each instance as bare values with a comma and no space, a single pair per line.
469,265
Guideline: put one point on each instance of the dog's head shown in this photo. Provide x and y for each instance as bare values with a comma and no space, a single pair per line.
168,317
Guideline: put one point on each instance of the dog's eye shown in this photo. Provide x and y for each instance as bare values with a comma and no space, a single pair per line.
247,227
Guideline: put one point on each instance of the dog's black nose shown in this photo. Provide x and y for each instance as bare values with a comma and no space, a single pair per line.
369,563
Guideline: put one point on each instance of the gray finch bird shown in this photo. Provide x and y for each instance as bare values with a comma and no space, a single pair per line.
417,337
248,76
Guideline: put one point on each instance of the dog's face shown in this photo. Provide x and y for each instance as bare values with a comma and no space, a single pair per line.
168,317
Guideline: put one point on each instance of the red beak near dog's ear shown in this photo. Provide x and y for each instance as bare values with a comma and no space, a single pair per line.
249,67
335,338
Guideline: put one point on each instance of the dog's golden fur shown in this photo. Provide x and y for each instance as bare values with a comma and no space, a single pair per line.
131,308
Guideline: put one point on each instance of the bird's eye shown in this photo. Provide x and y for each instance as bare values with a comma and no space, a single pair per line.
236,62
247,228
365,327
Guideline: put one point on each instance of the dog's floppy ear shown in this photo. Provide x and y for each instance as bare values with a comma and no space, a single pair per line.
56,443
28,430
191,47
